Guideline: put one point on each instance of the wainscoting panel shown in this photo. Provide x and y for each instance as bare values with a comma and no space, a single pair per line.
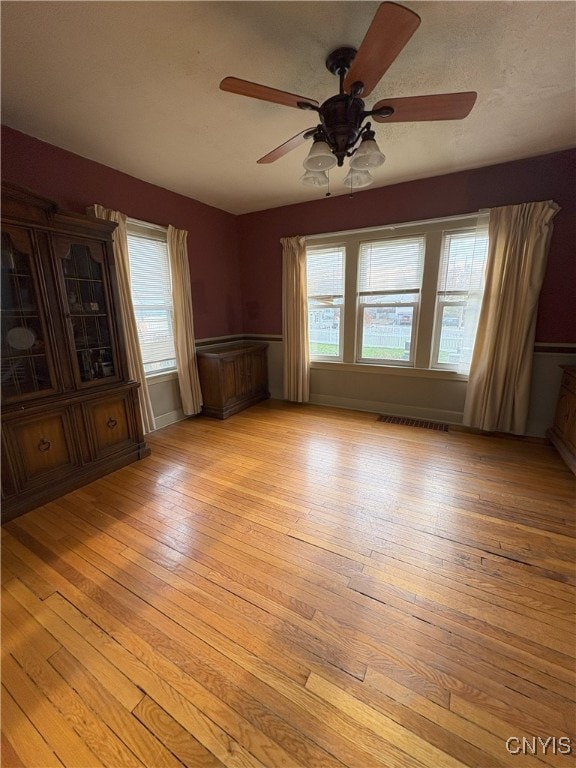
427,397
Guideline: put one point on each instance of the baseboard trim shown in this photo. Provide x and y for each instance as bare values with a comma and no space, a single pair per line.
407,411
506,435
453,419
165,419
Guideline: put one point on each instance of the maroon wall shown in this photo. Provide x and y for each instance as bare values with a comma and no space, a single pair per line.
75,183
549,177
235,262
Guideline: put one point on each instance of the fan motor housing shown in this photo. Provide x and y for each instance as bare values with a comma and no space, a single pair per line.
341,117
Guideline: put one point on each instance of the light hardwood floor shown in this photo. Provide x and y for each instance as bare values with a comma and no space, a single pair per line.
297,586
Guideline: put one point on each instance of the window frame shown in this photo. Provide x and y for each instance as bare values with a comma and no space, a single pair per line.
338,357
425,327
441,303
362,306
153,233
435,353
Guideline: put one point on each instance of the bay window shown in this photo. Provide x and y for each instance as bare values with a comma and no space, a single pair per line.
407,295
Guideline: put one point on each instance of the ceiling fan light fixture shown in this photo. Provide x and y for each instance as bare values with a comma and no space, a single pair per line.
357,179
315,178
368,154
341,131
320,157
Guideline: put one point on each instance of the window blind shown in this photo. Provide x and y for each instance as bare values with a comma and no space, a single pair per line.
152,298
393,265
460,285
462,261
325,271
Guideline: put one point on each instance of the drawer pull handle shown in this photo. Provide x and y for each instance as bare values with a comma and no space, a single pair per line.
44,445
111,423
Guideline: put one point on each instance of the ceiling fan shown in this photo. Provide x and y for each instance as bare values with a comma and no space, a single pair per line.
342,131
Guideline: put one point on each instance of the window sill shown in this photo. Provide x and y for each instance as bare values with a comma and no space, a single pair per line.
158,378
387,370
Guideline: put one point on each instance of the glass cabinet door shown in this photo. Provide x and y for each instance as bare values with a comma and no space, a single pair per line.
87,306
27,368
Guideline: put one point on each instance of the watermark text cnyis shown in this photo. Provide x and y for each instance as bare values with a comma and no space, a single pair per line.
540,745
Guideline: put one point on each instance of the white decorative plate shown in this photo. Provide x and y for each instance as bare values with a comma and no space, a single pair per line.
20,338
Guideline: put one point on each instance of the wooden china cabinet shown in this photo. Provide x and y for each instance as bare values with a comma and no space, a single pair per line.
69,412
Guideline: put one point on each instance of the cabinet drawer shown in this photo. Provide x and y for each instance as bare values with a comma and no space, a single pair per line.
111,424
42,448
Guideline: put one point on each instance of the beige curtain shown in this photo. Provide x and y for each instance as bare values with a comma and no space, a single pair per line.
184,341
135,367
295,320
499,383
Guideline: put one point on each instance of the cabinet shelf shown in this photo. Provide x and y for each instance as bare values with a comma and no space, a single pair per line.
88,314
13,273
13,312
11,355
87,346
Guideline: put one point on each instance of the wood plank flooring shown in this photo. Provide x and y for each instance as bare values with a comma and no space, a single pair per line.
297,586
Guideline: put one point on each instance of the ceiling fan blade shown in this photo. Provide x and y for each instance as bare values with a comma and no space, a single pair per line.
263,92
438,106
288,146
391,28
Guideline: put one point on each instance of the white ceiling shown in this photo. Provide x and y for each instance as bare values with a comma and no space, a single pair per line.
134,85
